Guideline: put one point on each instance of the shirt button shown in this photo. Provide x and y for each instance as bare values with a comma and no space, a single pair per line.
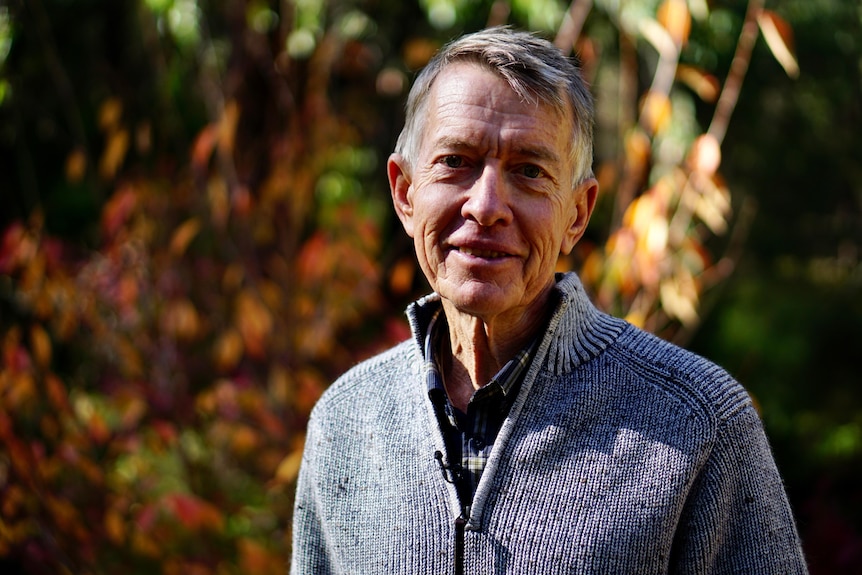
478,443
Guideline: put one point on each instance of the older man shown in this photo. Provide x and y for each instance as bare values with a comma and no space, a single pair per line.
521,430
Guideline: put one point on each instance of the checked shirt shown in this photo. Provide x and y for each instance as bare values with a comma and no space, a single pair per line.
470,436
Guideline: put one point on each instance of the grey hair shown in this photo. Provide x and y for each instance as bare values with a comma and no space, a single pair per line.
533,67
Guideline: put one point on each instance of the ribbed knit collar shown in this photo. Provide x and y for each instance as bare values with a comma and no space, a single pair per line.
577,332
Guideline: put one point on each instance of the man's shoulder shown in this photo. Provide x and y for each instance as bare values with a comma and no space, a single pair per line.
372,378
680,372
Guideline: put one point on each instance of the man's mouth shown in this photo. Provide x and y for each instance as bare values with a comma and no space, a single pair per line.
485,254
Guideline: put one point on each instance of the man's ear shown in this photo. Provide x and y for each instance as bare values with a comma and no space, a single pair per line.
401,188
585,200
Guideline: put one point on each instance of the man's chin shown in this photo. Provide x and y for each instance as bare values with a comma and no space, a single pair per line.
480,299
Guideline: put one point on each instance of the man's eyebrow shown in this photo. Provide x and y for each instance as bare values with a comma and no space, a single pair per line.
451,143
539,152
455,143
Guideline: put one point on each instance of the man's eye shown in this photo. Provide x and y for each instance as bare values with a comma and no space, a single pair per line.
532,171
453,161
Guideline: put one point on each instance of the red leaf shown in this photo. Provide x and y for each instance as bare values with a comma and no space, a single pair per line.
194,513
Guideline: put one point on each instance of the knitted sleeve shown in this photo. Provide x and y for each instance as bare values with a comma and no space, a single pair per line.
310,551
737,518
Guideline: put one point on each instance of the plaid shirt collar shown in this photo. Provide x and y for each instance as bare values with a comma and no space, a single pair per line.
507,379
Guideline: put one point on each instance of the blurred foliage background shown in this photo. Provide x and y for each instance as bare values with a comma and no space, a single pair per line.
195,239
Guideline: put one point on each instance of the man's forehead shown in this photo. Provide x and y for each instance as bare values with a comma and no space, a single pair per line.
467,98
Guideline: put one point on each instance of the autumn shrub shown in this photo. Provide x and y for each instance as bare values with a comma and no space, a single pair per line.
154,392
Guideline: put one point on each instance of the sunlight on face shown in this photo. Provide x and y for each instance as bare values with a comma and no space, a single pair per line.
490,202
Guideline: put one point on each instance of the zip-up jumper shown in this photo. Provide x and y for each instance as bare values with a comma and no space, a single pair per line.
621,454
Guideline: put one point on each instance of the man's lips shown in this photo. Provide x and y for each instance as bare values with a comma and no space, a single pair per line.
481,249
482,253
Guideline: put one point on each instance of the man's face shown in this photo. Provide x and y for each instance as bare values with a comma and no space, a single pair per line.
489,201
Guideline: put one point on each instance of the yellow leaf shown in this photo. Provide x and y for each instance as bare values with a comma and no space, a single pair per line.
636,318
712,213
288,469
219,200
779,38
76,165
114,154
679,300
638,148
227,127
656,111
110,113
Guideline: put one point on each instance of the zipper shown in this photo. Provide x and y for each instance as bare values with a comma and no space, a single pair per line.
460,524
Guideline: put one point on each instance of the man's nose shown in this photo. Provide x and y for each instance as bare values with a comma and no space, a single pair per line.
488,202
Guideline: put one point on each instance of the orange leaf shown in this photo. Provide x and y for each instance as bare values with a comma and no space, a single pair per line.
254,322
418,51
40,343
706,86
98,429
115,526
244,440
183,235
674,16
255,558
401,276
228,350
227,127
64,514
21,392
144,544
57,394
779,38
181,320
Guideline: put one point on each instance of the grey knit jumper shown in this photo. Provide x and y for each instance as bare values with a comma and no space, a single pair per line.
622,454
